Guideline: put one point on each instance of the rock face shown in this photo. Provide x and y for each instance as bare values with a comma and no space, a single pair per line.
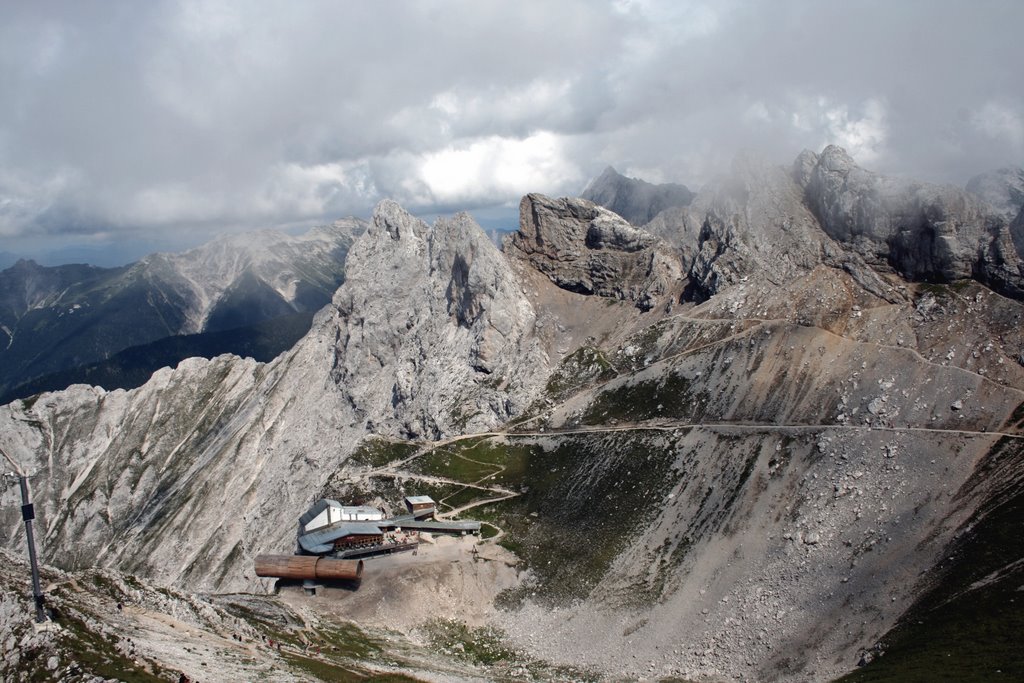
428,313
827,210
635,200
54,319
1002,188
587,249
1017,231
924,232
753,223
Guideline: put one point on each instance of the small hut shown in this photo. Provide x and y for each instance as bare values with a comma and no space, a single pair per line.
420,506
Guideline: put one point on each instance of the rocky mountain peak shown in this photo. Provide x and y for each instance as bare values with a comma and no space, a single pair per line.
922,231
609,176
585,248
398,223
635,200
433,333
835,159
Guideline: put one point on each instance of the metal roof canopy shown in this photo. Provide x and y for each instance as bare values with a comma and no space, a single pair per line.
322,540
340,514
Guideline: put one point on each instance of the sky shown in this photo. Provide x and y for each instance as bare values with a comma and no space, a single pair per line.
128,127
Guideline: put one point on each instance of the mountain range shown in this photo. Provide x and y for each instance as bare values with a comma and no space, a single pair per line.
775,432
63,324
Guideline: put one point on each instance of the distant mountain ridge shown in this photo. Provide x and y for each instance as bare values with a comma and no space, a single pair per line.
132,367
638,201
53,319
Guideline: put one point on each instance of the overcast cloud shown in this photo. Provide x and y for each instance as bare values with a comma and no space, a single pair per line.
163,123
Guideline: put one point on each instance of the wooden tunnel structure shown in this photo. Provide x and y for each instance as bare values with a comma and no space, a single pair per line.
309,567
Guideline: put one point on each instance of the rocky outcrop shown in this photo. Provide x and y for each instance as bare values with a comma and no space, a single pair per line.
435,316
923,232
752,223
585,248
1003,189
635,200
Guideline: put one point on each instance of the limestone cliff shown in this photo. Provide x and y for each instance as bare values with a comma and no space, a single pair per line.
585,248
924,232
753,223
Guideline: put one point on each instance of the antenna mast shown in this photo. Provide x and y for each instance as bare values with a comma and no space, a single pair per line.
28,513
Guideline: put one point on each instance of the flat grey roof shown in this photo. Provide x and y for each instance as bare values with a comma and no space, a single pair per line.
434,525
416,500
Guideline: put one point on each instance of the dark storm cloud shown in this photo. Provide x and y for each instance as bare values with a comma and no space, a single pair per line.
143,120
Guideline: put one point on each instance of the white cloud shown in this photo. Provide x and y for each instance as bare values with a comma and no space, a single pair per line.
289,191
1000,122
497,167
207,112
23,199
862,133
318,189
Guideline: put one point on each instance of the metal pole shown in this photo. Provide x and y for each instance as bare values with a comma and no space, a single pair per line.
28,513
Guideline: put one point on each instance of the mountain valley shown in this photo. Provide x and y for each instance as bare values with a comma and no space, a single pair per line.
66,324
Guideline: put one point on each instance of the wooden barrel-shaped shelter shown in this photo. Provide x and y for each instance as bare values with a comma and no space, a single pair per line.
308,567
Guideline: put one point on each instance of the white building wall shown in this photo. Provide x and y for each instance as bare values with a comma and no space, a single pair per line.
321,520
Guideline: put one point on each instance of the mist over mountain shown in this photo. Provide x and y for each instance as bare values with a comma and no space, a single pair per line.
774,433
635,200
1002,188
